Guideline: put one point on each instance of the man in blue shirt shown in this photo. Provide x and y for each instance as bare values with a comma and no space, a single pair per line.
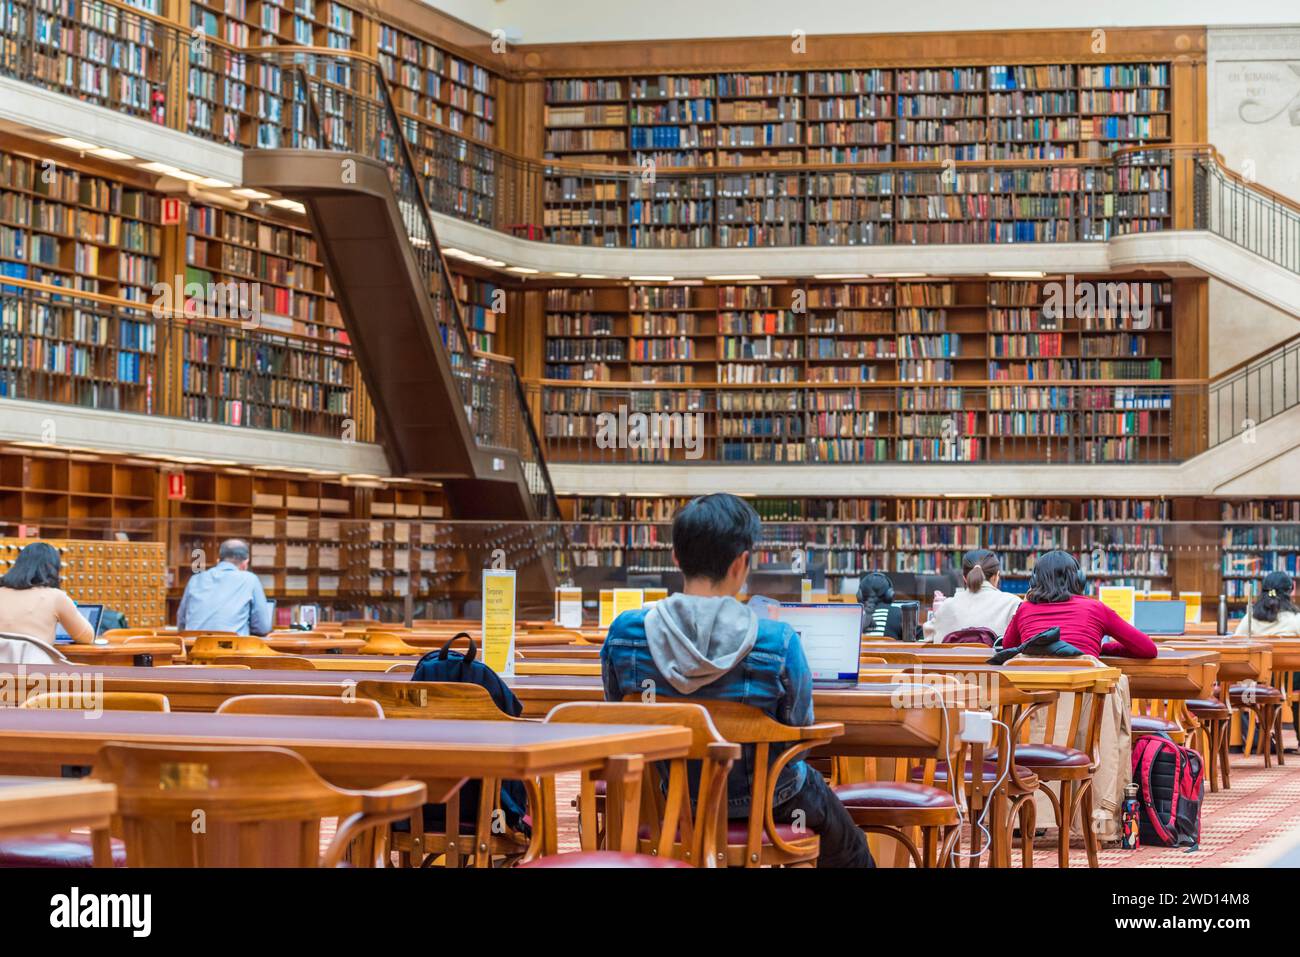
703,643
227,597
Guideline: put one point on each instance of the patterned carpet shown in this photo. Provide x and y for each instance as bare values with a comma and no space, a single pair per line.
1256,823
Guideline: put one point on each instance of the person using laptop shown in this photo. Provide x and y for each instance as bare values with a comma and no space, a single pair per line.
704,644
226,597
1056,599
882,617
981,604
32,601
1273,613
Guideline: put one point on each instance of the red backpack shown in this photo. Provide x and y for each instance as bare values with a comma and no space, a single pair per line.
1171,787
971,636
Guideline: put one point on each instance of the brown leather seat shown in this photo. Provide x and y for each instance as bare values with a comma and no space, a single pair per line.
602,859
894,794
54,850
1208,707
1149,724
1248,693
990,772
1049,756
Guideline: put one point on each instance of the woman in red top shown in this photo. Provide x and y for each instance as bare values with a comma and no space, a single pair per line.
1056,599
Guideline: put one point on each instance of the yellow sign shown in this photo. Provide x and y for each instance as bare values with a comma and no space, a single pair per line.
1155,596
606,607
655,594
1193,599
805,590
1120,599
499,620
627,599
568,607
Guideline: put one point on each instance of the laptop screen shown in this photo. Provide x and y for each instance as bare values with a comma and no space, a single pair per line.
91,613
1160,617
831,635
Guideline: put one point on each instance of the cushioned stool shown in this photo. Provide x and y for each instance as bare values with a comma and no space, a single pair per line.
1215,717
1073,770
1265,703
54,850
892,807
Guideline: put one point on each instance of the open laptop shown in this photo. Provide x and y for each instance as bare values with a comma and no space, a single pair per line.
1160,617
92,614
831,635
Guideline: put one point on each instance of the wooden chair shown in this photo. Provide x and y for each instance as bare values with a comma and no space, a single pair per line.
387,643
115,635
896,657
402,667
265,662
1214,730
106,701
669,828
208,647
324,706
212,664
901,808
186,633
759,840
454,701
1071,768
261,807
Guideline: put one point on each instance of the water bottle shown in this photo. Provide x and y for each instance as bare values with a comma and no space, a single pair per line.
1129,839
1223,615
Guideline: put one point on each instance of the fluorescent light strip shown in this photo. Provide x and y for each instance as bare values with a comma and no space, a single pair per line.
247,193
901,275
651,278
736,278
842,275
523,270
104,152
1017,274
592,275
68,142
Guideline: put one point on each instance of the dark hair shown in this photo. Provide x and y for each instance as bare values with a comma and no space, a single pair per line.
233,550
1274,596
1056,578
711,532
978,566
37,566
873,589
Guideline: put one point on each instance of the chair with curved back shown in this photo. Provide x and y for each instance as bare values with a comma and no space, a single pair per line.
103,701
207,647
264,662
759,840
387,643
669,829
261,807
320,706
453,701
26,650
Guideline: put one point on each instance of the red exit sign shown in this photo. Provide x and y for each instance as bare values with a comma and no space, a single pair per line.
176,485
171,211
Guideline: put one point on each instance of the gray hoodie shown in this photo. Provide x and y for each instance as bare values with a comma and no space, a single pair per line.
695,639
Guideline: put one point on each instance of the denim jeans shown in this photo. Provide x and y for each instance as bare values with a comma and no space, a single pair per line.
842,843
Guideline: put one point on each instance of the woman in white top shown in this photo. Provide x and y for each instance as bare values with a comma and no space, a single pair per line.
31,601
1274,613
979,605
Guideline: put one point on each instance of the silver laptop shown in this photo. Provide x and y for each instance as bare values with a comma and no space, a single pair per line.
831,635
1160,617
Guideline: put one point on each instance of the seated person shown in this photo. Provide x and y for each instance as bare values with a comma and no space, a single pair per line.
882,617
32,601
980,604
1055,599
1274,612
704,644
227,597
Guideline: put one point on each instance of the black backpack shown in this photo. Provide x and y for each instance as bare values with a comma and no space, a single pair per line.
447,665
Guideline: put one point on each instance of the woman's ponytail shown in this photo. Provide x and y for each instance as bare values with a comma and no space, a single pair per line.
978,566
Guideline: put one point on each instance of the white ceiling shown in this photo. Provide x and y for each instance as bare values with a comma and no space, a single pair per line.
558,21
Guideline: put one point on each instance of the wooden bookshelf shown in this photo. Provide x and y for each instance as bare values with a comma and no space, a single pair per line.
482,305
939,115
1258,536
66,227
937,348
1119,541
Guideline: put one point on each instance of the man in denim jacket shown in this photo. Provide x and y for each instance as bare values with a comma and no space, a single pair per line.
703,643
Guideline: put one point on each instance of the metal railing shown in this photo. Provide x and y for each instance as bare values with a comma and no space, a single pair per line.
1245,396
92,351
1242,212
1065,423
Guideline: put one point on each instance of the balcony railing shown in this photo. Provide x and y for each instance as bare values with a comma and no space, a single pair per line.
96,351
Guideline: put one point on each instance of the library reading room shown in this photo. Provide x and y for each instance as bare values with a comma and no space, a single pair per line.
398,398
